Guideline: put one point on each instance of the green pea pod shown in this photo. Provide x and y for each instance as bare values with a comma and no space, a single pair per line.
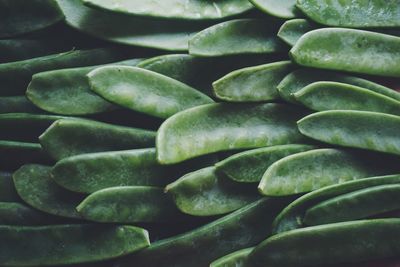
292,217
374,131
17,104
235,259
204,193
68,244
249,166
314,169
164,34
220,127
175,9
279,8
252,84
243,228
322,96
359,204
292,30
66,138
349,50
352,14
14,213
356,241
144,91
299,79
18,16
67,91
7,188
240,36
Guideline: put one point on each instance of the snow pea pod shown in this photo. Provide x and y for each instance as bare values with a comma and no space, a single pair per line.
235,259
14,213
7,188
17,104
330,244
249,166
349,50
355,205
175,9
279,8
144,91
252,84
68,244
219,127
374,131
314,169
353,14
240,36
291,31
67,137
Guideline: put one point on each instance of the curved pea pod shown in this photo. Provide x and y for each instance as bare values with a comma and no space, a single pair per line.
17,104
7,188
359,204
314,169
220,127
292,217
348,242
279,8
14,213
18,16
235,259
249,166
145,32
243,228
144,91
68,244
240,36
175,9
374,131
352,14
349,50
322,96
204,193
67,137
35,186
252,84
292,30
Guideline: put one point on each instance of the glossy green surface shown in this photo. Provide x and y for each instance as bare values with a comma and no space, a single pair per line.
374,131
7,188
241,36
221,127
291,31
68,244
14,213
66,138
252,84
19,104
249,166
144,91
235,259
279,8
349,50
314,169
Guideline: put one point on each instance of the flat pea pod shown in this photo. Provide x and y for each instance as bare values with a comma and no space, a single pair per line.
204,193
300,78
249,166
322,96
14,213
359,204
349,50
219,127
67,137
36,187
279,8
175,9
252,84
292,217
309,246
235,259
243,228
314,169
292,30
374,131
242,36
353,14
17,104
18,16
7,188
129,204
144,91
68,244
166,35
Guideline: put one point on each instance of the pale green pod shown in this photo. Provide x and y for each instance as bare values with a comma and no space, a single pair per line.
235,259
17,104
311,170
7,188
292,30
221,127
14,213
279,8
349,50
252,84
374,131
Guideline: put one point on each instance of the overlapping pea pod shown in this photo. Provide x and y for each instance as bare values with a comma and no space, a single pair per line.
17,104
314,169
292,30
235,259
219,127
279,8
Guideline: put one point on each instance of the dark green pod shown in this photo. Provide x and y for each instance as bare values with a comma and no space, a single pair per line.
14,213
235,259
17,104
7,188
292,30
